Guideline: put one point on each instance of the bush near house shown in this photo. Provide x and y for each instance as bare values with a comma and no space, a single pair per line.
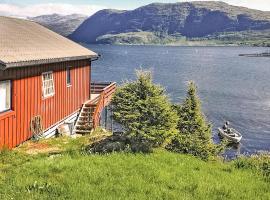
149,119
145,112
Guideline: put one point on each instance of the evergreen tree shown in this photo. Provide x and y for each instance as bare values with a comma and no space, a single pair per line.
144,111
194,131
191,118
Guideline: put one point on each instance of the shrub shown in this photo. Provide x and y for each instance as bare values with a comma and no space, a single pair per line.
260,163
116,143
144,111
113,143
194,131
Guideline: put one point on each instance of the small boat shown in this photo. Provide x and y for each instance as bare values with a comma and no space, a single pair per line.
233,135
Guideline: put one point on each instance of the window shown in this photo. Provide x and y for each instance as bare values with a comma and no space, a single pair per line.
68,77
5,95
47,84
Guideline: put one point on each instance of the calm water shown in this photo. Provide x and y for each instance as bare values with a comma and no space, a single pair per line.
231,87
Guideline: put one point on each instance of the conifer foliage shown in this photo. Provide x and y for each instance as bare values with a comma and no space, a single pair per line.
194,132
191,118
144,111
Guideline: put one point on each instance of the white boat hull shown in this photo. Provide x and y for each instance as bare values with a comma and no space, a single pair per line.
234,137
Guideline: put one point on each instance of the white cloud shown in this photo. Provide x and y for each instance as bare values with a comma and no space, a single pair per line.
45,9
255,4
65,9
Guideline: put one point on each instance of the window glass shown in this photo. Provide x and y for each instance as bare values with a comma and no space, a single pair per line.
5,95
68,77
47,84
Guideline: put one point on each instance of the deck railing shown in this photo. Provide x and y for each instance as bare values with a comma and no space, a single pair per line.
98,87
106,91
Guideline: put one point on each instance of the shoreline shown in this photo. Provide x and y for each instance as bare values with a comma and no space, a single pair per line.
172,45
256,55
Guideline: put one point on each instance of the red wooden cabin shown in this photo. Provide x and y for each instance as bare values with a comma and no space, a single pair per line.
47,77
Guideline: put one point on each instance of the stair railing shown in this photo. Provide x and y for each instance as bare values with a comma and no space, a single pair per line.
98,110
104,100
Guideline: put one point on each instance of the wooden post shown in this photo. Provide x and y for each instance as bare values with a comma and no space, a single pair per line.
111,115
106,116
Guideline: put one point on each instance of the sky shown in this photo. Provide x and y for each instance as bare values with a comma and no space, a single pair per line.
31,8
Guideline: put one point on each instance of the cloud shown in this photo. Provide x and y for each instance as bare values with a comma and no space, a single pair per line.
16,10
263,5
46,9
254,4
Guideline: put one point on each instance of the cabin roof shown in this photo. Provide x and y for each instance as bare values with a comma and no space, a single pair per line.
26,43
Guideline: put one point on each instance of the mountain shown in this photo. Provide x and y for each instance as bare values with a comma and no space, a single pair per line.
170,23
62,24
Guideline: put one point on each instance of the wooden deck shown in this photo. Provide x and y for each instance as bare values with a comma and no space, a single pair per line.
94,96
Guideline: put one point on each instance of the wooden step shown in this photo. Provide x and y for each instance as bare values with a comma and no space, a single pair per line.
82,123
87,113
83,127
89,108
85,119
82,132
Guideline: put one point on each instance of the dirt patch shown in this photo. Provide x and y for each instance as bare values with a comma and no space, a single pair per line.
34,148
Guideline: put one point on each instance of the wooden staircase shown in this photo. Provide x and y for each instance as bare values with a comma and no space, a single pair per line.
89,116
84,123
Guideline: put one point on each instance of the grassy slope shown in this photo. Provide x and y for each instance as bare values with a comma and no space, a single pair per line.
160,175
244,38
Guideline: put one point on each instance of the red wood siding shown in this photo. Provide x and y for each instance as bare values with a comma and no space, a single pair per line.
27,100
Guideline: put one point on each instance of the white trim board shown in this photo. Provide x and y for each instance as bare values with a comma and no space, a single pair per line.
50,132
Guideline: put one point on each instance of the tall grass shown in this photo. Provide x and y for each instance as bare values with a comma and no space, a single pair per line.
161,175
258,163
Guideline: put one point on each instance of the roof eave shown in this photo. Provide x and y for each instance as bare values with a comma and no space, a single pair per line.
46,61
2,65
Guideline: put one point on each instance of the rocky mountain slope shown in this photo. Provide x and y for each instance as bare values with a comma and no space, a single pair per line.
62,24
158,23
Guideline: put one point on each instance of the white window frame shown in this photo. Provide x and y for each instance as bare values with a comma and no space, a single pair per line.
10,96
45,96
69,84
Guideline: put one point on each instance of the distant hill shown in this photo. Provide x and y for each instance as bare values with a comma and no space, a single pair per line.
175,22
62,24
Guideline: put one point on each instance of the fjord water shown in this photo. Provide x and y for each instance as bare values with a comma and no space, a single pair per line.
231,87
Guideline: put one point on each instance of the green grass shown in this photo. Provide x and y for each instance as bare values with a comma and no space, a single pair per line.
241,38
72,174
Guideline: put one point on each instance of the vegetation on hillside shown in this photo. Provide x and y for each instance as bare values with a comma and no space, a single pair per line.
141,37
71,173
185,23
242,38
61,24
